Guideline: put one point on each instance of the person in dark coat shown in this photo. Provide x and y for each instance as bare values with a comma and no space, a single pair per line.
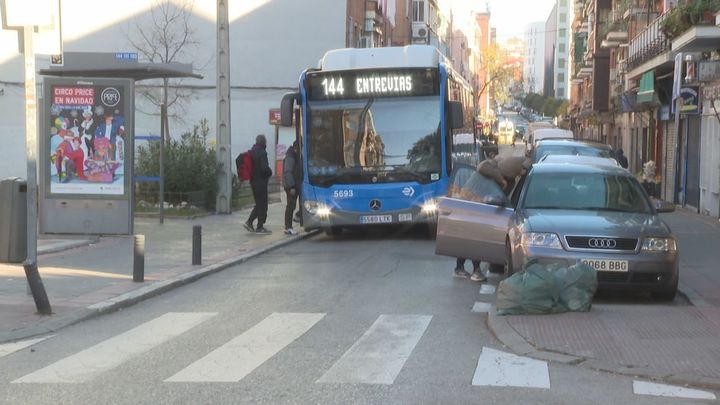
292,181
621,159
259,178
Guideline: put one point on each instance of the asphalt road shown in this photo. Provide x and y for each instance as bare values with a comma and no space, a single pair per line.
367,318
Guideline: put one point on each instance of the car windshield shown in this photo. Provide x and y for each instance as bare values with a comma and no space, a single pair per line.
579,150
376,136
585,191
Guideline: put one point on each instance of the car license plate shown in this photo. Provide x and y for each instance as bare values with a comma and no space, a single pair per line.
376,219
405,217
607,265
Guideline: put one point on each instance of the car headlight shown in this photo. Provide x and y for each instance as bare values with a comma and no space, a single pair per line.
317,208
430,207
541,239
659,245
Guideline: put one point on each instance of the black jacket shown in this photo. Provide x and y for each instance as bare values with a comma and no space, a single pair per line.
292,169
261,171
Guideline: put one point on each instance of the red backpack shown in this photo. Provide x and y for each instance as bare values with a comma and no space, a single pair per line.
244,165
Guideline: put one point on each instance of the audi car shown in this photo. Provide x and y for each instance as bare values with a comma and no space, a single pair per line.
576,211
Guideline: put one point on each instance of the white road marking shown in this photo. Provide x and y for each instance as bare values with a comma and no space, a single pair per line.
237,358
12,347
487,289
106,355
482,307
381,352
663,390
500,369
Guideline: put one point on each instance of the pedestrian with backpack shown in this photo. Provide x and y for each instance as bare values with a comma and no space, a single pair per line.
260,174
292,180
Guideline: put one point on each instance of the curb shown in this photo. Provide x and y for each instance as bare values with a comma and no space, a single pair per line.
67,246
145,292
510,338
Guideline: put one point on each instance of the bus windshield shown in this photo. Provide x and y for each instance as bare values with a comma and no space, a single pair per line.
374,140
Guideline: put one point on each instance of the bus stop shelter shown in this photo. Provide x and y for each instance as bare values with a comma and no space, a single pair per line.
93,193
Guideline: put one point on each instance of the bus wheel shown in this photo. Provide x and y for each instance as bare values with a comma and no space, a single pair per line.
333,231
432,230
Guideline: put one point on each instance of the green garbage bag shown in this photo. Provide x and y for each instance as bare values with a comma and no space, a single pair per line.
579,283
535,290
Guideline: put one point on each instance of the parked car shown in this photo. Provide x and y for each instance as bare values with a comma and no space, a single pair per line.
546,147
564,213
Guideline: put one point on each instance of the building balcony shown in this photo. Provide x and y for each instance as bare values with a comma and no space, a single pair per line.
649,43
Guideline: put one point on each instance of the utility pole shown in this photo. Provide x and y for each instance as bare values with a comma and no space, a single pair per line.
223,204
31,270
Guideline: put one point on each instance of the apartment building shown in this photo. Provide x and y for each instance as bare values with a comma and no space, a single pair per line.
533,70
657,51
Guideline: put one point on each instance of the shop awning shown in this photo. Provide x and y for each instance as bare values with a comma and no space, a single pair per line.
647,87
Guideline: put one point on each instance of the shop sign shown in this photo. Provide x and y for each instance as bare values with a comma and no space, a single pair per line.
711,91
274,116
709,70
691,100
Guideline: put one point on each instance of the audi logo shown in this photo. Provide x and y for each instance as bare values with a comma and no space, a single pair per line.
602,243
375,205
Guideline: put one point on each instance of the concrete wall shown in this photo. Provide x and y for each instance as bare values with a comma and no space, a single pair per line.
710,162
271,43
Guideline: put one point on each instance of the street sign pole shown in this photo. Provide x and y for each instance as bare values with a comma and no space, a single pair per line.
31,269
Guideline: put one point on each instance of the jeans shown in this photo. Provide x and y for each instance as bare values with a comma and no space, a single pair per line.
460,264
259,211
292,198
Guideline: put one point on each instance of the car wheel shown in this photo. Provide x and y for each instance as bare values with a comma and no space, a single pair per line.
432,230
508,259
665,296
497,268
333,231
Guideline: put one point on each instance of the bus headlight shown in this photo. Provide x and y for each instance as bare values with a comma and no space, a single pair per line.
317,208
430,207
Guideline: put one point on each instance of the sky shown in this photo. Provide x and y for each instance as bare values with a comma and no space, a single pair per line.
509,16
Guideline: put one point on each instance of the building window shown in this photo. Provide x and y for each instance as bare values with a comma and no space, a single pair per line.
562,32
563,17
561,77
560,93
561,47
561,63
418,10
563,3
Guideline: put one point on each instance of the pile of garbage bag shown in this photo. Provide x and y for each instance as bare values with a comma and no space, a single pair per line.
547,289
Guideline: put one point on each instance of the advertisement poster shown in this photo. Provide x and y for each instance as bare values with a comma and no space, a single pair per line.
87,140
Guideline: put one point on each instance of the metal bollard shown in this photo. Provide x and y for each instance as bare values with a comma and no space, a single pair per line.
139,258
197,245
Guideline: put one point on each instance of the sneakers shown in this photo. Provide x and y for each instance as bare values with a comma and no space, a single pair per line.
262,231
461,273
478,276
290,231
248,226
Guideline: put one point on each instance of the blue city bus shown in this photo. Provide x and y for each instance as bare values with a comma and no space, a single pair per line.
376,130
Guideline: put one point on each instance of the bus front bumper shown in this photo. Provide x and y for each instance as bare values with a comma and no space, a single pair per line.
328,218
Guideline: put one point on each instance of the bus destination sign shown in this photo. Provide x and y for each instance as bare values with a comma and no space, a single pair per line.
351,84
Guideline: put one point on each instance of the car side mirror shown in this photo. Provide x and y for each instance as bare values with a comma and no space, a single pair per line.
664,206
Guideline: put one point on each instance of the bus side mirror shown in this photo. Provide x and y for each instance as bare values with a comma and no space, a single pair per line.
456,115
286,109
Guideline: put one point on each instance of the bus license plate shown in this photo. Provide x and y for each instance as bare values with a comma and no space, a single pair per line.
608,265
376,219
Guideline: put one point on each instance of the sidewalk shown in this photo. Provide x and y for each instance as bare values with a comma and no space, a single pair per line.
675,342
86,277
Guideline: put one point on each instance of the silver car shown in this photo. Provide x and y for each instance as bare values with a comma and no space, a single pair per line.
564,213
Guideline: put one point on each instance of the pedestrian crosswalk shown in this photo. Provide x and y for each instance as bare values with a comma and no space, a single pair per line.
377,356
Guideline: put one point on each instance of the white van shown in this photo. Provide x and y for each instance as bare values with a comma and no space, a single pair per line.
545,133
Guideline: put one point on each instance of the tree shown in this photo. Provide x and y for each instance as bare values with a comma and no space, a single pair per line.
167,37
498,73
